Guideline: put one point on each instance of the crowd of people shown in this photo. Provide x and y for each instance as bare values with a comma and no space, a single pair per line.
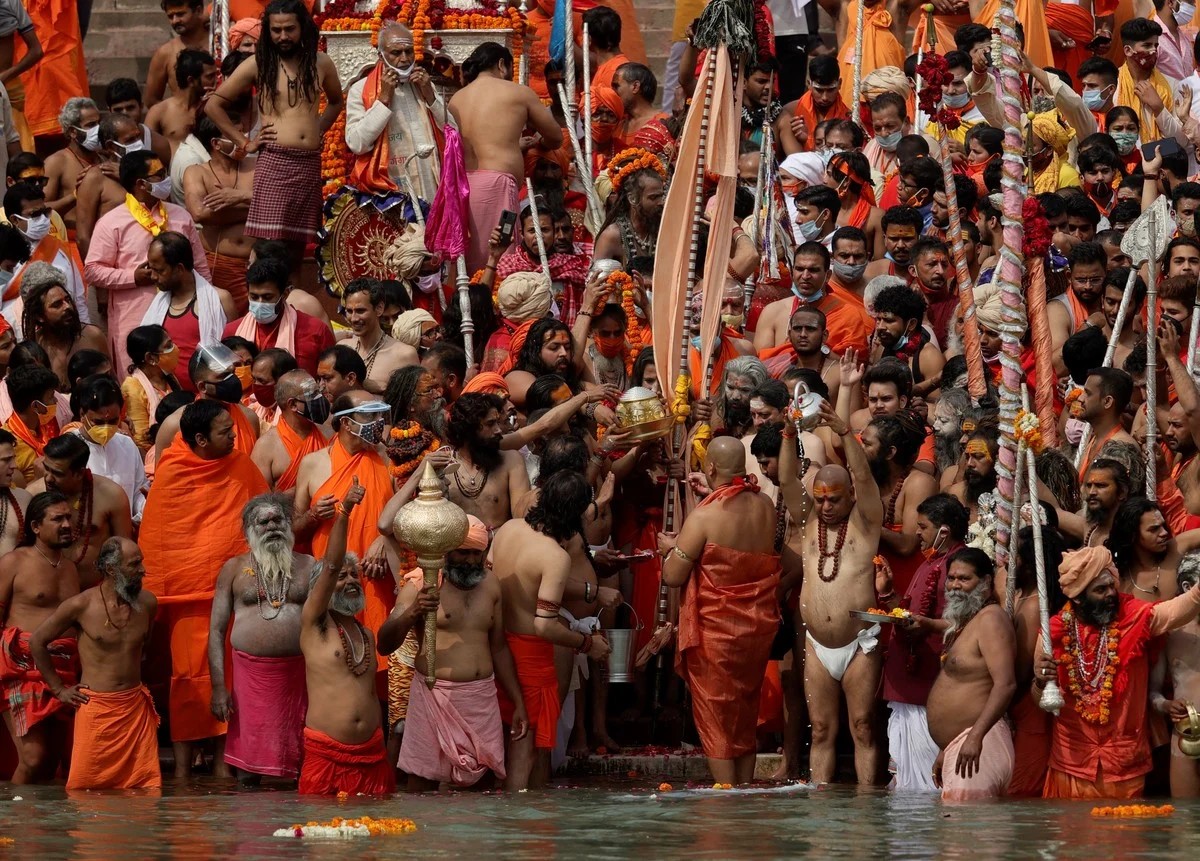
202,463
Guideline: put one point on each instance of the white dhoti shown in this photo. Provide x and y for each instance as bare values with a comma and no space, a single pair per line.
913,750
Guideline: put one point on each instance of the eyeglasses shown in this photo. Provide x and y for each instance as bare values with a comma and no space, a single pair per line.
1094,281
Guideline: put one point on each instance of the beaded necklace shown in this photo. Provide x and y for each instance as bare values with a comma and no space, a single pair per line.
889,518
822,531
7,494
276,601
357,663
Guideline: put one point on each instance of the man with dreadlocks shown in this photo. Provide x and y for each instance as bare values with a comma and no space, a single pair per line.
530,557
52,319
547,349
639,185
288,75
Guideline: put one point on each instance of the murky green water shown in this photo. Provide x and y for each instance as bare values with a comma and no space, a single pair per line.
617,822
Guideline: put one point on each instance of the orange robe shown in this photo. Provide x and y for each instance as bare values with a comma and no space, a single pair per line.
847,323
45,252
1077,24
1031,748
376,480
633,45
806,110
540,21
61,73
1032,15
244,436
880,46
192,526
728,618
728,351
297,448
944,27
603,76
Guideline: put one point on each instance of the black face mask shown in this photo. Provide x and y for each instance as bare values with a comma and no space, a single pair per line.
228,389
316,408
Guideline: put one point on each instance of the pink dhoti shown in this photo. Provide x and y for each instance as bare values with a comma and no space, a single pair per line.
270,701
453,733
492,192
995,768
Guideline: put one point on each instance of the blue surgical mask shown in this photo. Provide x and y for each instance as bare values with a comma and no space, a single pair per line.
810,300
1094,99
696,343
162,188
901,344
810,230
956,102
1187,11
889,142
264,312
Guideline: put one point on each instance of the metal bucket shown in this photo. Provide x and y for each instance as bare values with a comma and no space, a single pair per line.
621,654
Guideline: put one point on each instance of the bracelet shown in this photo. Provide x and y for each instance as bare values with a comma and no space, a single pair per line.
340,509
1149,176
586,646
682,555
587,593
789,432
590,411
889,596
584,314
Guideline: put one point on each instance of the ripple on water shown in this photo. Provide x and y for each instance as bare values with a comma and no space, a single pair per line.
622,822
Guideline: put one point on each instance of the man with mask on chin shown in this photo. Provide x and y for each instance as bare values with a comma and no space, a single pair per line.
212,376
394,119
1099,745
1154,104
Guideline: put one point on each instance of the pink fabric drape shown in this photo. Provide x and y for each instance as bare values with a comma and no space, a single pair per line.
446,224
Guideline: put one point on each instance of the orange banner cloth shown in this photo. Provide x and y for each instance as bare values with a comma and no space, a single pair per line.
728,618
116,742
297,448
44,252
192,526
61,73
880,46
376,479
534,660
331,767
1032,15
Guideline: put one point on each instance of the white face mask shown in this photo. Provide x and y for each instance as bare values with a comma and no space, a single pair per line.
162,188
126,149
405,73
264,312
36,228
1187,11
91,137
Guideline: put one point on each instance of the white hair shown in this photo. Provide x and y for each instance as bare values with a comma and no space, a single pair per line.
877,284
72,110
40,274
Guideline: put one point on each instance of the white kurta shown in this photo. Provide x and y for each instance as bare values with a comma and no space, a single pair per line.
409,128
120,461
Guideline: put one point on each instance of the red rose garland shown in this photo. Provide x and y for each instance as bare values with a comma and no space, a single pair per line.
1038,234
934,73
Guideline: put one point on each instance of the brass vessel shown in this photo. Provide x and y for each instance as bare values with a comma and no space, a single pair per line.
644,412
1189,732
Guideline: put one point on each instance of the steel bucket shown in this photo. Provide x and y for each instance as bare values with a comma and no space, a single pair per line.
621,653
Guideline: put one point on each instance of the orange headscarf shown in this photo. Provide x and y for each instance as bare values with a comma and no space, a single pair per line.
514,346
487,382
251,27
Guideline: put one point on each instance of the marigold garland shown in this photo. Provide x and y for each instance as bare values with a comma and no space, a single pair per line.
1028,428
628,162
1134,811
1093,705
364,826
636,337
407,446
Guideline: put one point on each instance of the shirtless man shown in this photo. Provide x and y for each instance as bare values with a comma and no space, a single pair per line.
492,113
65,167
362,301
34,580
100,190
13,500
1182,661
1105,487
116,728
891,444
339,658
489,481
967,703
339,369
195,76
268,697
95,499
841,541
1144,550
190,24
301,415
805,349
1183,421
289,75
472,657
530,558
979,469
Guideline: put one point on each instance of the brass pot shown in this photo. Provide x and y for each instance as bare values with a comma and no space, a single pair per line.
644,412
1189,732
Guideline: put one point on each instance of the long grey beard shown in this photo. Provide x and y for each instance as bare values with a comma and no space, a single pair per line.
434,421
962,607
465,577
339,603
946,450
272,557
127,588
609,371
954,343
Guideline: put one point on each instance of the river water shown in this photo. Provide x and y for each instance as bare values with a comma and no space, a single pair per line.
619,821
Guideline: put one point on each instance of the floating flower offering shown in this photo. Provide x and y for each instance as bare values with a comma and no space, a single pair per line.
343,829
1134,811
722,786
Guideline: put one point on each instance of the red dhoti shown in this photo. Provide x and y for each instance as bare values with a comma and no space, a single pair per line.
534,659
286,199
331,766
492,192
266,725
1031,748
1059,784
25,693
116,742
229,273
727,622
453,733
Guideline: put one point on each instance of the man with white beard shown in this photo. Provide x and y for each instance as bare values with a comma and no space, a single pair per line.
967,703
948,417
265,591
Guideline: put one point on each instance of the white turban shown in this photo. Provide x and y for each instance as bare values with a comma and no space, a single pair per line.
805,166
407,328
407,253
524,296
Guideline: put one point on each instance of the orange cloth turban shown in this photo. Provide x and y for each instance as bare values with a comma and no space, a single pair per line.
477,535
605,97
251,27
514,346
487,382
1080,567
560,156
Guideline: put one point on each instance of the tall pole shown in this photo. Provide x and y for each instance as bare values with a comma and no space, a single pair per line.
1152,368
587,104
569,65
858,47
537,229
467,327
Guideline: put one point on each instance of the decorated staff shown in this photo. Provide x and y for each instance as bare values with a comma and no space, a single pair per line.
587,97
1037,232
765,159
523,59
446,226
594,218
1155,222
1010,274
537,229
935,74
858,46
1195,333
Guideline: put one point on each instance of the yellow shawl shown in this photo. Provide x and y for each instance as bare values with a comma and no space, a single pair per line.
1126,96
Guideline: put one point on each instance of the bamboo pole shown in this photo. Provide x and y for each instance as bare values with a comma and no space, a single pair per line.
1152,368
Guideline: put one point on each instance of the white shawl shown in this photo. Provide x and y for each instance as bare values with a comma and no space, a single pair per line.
208,310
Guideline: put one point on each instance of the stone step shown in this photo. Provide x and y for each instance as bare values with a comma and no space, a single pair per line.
687,766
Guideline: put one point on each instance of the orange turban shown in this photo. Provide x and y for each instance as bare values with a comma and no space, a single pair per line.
487,382
560,156
477,535
1080,567
605,97
251,27
514,346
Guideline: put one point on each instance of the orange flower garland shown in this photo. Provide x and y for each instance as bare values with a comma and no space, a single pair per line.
628,162
635,336
1134,811
1094,705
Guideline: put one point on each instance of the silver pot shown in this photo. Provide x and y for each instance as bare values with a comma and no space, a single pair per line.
806,408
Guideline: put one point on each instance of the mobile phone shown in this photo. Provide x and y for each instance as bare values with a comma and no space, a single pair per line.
508,223
1167,146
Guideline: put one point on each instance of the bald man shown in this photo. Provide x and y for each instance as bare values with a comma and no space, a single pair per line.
298,433
839,546
726,547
